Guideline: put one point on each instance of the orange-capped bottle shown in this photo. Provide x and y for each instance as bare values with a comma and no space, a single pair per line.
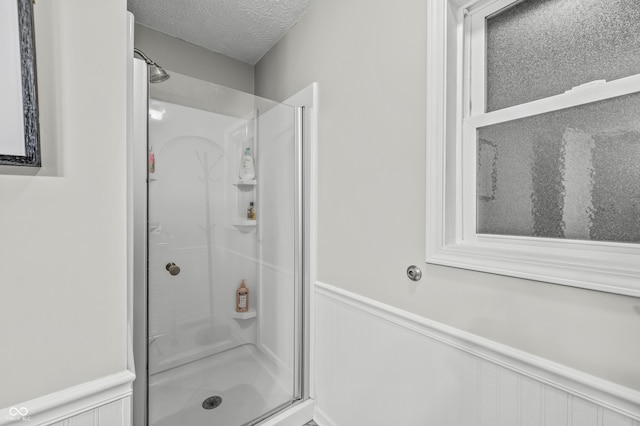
242,298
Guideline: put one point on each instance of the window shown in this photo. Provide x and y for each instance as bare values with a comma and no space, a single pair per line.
534,140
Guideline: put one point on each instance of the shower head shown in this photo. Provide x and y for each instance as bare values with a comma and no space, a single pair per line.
156,73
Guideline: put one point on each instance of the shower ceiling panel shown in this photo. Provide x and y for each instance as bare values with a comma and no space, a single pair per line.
241,29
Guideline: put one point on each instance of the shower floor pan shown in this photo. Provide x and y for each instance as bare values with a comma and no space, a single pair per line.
240,379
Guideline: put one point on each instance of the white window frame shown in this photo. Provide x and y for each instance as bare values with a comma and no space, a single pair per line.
452,120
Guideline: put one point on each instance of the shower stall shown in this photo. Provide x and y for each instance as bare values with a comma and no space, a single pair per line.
199,231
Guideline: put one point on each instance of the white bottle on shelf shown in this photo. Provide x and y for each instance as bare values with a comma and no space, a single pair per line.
247,166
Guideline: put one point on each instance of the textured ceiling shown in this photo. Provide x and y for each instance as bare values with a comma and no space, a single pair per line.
241,29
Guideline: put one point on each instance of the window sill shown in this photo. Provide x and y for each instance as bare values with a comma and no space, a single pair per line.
576,264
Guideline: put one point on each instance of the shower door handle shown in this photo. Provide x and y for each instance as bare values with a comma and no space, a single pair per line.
172,268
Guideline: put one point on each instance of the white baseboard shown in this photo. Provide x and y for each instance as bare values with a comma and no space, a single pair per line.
72,401
602,393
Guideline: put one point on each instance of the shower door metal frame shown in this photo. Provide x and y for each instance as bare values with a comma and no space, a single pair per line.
299,257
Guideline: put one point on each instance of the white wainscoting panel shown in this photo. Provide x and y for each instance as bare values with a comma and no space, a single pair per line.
102,402
117,413
377,365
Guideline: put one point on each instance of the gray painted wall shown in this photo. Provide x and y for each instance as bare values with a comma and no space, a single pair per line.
186,58
369,59
63,246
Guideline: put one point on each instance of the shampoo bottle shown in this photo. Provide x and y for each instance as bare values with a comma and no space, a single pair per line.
242,298
247,166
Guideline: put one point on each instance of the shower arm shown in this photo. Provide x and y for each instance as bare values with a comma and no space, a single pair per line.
145,57
156,73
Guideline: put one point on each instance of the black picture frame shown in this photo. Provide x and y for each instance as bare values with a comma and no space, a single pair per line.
29,105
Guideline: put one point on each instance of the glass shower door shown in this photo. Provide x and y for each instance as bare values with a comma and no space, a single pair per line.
208,231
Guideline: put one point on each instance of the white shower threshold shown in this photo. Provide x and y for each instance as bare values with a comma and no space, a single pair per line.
240,377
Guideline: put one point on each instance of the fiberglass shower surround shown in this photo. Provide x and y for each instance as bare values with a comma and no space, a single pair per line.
201,245
191,224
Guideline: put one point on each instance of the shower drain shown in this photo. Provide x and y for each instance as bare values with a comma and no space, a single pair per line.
211,402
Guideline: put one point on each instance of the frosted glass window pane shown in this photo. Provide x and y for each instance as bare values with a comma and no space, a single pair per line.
541,48
573,174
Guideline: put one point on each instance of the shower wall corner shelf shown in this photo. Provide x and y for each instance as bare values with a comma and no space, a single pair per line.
242,223
246,183
251,313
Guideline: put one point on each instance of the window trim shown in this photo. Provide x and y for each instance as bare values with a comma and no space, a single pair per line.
596,265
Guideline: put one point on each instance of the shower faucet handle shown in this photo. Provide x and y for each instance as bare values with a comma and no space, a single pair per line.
172,268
